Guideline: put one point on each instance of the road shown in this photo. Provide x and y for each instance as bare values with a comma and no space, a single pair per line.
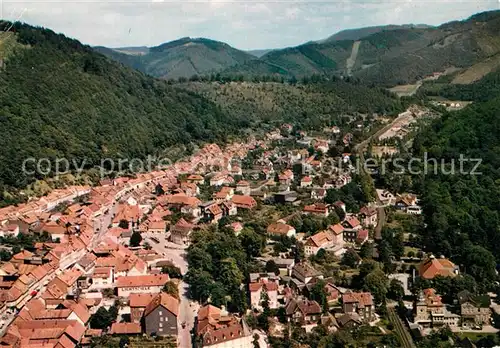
359,149
187,308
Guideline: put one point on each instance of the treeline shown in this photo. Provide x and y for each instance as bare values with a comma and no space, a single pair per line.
226,78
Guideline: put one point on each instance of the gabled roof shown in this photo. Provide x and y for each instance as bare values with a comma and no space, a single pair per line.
125,329
164,300
433,267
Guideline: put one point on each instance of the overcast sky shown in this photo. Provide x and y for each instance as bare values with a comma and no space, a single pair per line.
242,24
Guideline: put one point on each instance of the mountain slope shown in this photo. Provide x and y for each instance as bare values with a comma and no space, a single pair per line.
310,106
359,33
60,98
391,57
180,58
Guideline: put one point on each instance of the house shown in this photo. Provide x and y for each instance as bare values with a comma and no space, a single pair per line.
403,201
195,179
237,227
322,240
352,223
337,231
125,329
157,226
160,315
141,284
228,208
180,233
332,292
11,230
281,229
217,329
362,236
360,303
430,311
474,309
316,209
243,187
138,303
286,178
244,202
303,311
368,216
304,272
432,267
306,181
349,320
257,289
318,193
285,266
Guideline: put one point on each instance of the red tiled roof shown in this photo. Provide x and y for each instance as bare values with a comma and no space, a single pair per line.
142,280
125,329
164,300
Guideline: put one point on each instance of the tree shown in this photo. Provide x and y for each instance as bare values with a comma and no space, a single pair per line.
172,270
376,283
366,251
135,239
396,291
271,267
171,288
123,224
480,264
251,242
319,294
101,319
350,258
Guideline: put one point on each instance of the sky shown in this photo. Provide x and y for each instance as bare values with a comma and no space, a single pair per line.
242,24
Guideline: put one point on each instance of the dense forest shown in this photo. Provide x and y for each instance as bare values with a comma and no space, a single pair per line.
61,99
461,208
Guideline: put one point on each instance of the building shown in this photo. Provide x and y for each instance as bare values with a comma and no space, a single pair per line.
257,290
433,267
322,240
304,272
125,329
360,303
430,311
319,209
160,315
138,303
474,309
368,216
141,284
303,312
306,181
281,229
217,329
180,233
244,202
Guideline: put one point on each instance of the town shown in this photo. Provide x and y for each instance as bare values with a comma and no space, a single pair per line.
241,246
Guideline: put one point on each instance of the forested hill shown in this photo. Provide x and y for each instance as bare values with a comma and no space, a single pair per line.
463,210
180,58
59,98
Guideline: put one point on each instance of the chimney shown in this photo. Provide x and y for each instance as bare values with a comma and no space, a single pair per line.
223,311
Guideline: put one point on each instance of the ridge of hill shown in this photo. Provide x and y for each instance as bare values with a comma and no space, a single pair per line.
359,33
184,57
